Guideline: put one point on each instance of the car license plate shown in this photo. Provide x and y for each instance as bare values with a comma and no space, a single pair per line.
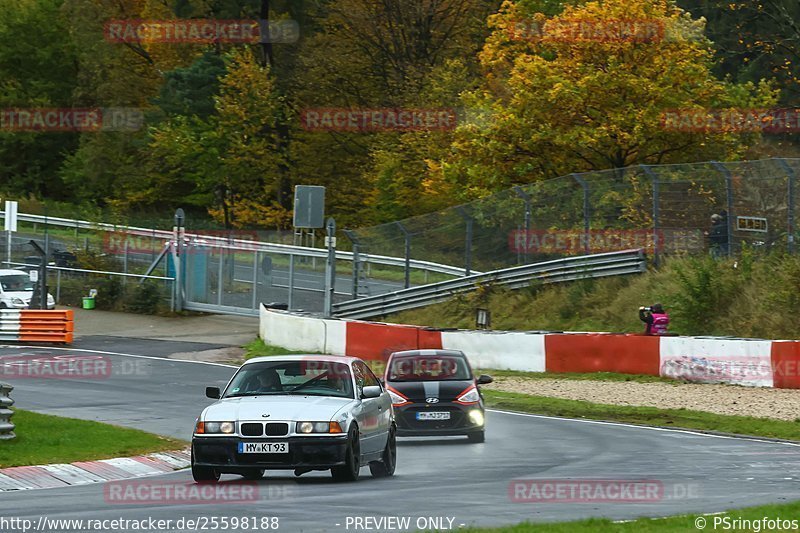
434,415
263,447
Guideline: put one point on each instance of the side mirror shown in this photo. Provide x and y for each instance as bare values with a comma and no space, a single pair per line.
484,379
213,393
370,392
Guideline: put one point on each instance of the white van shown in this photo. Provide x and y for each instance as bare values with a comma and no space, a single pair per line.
16,289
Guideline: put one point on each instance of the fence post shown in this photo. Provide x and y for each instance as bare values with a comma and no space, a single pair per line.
790,215
468,241
291,281
527,199
656,211
350,234
406,253
6,425
587,214
729,200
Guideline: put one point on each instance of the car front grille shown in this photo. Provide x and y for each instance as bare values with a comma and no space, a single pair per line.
277,429
259,429
252,429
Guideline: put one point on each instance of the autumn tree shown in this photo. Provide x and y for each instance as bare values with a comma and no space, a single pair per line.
557,101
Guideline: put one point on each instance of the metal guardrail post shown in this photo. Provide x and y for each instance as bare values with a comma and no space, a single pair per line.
6,426
350,234
729,200
468,240
790,174
656,211
587,214
406,253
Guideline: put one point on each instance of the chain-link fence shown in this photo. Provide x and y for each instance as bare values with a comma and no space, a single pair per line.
665,209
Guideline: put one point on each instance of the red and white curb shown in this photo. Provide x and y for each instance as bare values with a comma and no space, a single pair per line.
86,472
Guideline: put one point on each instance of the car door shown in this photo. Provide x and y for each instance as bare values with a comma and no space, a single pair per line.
370,412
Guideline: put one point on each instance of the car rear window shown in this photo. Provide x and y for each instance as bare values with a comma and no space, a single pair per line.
429,368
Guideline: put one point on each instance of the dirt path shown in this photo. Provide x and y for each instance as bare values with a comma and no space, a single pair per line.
782,404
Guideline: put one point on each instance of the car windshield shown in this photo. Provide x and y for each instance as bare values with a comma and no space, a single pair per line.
306,378
429,368
16,282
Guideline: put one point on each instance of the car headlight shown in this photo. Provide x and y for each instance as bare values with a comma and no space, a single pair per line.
397,398
318,427
476,417
17,301
470,395
215,427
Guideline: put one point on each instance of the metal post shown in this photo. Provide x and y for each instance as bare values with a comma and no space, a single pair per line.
790,215
729,200
255,280
6,425
356,259
125,262
527,199
178,231
291,280
220,273
58,286
656,212
587,214
8,248
330,266
468,241
407,254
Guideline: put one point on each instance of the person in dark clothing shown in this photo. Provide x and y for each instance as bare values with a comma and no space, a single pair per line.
656,318
718,236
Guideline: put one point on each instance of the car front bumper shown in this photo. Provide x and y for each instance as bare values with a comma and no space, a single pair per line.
459,422
314,453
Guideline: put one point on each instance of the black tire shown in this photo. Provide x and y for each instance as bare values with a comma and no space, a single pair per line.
253,475
385,467
477,437
352,467
204,474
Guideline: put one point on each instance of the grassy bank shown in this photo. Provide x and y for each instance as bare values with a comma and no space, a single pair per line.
746,297
680,523
44,439
647,416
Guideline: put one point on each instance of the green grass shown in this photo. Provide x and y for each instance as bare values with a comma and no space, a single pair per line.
683,523
45,439
257,348
647,416
744,297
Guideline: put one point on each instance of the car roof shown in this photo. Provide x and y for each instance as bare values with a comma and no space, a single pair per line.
304,357
429,353
10,272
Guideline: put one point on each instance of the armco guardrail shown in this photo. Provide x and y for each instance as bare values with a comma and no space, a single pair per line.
588,266
241,244
6,426
31,325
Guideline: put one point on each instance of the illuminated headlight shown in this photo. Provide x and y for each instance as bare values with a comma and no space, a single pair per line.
318,427
469,396
476,417
215,427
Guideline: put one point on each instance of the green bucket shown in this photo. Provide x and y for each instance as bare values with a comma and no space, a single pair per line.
88,302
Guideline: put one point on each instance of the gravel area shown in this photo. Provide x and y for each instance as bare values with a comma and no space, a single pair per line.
782,404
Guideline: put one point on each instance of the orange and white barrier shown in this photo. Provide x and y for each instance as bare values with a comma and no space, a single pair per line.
757,363
33,325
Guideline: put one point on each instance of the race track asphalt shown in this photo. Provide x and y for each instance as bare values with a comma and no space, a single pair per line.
447,478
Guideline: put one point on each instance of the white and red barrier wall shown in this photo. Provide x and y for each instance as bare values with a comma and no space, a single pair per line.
757,363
